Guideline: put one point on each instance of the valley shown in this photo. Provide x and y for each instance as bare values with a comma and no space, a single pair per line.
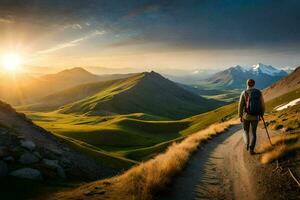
123,122
149,100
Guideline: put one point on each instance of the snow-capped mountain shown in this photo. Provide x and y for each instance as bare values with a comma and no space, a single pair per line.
235,77
267,69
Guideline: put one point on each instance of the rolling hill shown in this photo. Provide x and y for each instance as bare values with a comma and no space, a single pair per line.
235,77
24,89
148,93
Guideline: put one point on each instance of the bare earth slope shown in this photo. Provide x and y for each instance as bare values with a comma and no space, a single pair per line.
222,169
285,85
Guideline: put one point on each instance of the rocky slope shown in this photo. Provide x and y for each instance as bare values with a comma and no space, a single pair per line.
28,151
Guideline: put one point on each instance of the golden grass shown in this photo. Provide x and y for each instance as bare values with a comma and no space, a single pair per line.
283,145
143,181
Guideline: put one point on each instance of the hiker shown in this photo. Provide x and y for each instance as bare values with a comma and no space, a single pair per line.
251,108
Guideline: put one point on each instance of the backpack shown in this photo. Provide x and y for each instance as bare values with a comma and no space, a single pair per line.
252,100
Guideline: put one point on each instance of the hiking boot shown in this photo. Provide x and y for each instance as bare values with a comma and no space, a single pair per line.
252,152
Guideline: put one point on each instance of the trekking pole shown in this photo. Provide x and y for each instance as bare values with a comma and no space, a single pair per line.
262,117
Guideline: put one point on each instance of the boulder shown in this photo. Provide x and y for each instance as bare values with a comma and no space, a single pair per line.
3,169
27,144
61,172
56,151
3,152
27,173
28,158
54,165
9,159
3,132
37,154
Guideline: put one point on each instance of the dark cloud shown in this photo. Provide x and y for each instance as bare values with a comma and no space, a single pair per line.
183,24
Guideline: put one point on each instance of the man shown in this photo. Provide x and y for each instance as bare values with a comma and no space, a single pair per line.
251,108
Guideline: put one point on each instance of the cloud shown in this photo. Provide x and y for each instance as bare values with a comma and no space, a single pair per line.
76,26
4,20
71,43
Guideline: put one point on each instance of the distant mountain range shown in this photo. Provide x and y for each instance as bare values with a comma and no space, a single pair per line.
147,92
235,77
24,88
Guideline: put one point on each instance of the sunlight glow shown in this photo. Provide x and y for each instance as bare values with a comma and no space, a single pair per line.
11,62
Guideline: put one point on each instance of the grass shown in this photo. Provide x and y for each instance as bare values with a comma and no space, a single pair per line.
283,99
286,120
135,137
225,95
288,141
284,145
142,182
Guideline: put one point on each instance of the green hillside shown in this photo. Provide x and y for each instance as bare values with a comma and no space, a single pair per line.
58,99
135,136
145,93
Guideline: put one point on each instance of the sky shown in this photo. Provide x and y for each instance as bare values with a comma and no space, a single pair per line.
159,34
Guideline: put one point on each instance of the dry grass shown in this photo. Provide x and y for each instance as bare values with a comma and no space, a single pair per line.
142,182
283,144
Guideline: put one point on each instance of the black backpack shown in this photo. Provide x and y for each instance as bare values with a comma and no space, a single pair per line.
252,100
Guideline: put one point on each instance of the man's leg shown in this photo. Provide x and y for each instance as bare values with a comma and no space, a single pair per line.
253,134
246,126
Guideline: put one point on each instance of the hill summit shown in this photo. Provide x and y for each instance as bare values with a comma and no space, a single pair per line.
148,92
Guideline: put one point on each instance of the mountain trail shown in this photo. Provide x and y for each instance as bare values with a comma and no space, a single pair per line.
223,169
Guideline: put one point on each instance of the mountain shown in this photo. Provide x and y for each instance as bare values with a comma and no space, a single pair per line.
148,93
55,100
19,90
235,77
284,85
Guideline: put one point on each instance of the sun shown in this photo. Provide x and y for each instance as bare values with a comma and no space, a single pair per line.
11,62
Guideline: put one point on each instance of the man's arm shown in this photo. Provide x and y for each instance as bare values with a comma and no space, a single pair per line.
241,105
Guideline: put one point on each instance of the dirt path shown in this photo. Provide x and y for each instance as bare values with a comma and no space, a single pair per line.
223,169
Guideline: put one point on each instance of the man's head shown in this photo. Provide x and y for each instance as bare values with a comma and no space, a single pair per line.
250,83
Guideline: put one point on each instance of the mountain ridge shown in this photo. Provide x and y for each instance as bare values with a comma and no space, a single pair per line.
235,77
148,92
25,89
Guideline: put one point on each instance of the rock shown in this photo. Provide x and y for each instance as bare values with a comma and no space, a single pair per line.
88,193
54,165
66,149
65,162
16,149
27,173
4,151
9,159
61,172
56,151
27,144
3,169
28,158
21,137
37,154
3,132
